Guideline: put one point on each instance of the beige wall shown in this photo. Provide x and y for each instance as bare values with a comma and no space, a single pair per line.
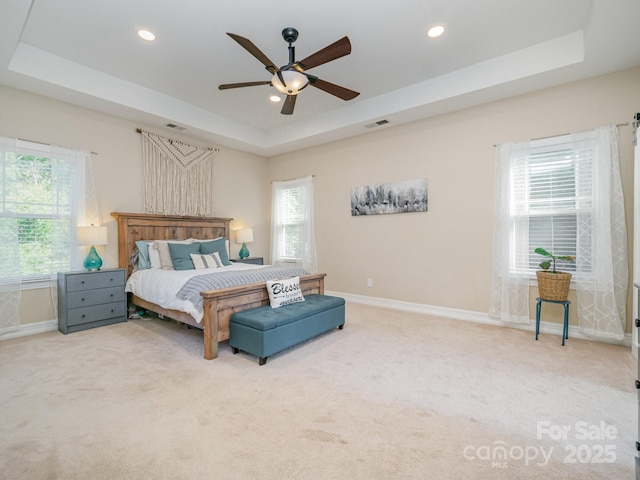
242,191
443,257
440,258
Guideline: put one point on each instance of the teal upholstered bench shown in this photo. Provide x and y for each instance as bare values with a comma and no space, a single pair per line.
264,331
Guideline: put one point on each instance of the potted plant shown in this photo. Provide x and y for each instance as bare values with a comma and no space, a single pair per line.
553,284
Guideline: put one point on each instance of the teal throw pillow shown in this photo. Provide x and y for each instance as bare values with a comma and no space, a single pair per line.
181,255
143,254
218,245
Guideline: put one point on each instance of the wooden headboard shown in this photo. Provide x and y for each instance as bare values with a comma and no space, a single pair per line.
148,226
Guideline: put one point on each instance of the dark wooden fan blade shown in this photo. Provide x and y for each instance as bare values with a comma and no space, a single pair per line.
336,50
289,103
255,51
333,89
227,86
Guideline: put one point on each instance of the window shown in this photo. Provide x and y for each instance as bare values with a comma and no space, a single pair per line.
292,223
41,196
293,236
553,182
563,194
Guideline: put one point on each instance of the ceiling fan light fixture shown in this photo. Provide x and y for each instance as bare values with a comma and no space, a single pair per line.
294,82
275,98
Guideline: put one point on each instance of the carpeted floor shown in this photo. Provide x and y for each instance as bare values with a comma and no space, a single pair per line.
392,396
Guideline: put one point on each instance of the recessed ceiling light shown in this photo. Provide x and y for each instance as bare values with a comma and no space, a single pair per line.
146,35
275,98
435,31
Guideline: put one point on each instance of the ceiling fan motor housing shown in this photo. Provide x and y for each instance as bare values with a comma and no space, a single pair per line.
290,34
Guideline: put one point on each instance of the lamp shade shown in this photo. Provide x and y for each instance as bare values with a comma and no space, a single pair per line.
244,235
90,236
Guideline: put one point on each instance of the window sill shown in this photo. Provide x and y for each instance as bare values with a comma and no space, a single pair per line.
533,280
35,284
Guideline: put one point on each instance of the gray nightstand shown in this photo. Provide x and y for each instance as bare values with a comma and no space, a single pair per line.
91,299
254,260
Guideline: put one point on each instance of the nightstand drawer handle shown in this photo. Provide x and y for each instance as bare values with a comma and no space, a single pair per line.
112,310
83,315
82,299
82,282
111,295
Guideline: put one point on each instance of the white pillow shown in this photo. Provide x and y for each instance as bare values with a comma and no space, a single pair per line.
284,292
154,256
206,261
162,247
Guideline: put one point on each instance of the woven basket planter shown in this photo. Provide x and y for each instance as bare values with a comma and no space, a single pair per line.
553,286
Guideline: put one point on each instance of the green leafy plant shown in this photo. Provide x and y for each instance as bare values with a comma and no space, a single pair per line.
546,264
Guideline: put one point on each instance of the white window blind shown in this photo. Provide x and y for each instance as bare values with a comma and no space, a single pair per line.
554,182
293,221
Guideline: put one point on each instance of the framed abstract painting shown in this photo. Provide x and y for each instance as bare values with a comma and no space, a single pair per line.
397,197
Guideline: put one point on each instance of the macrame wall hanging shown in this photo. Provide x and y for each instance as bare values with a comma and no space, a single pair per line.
177,178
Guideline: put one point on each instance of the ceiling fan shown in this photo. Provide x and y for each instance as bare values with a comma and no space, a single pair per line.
292,78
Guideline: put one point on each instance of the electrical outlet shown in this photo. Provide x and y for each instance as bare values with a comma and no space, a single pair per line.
369,282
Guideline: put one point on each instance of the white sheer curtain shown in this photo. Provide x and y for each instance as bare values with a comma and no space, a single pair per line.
601,276
72,171
293,239
510,289
9,258
45,193
601,259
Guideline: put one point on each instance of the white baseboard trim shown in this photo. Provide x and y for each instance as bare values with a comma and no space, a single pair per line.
477,317
31,329
456,314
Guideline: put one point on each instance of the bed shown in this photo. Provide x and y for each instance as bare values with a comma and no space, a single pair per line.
219,304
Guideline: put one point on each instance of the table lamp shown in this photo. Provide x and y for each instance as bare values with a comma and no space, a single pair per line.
244,236
92,236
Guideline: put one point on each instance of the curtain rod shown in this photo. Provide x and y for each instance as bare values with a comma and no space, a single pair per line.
288,180
215,149
563,134
45,144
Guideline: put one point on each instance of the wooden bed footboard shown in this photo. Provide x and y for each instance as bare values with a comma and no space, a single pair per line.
219,305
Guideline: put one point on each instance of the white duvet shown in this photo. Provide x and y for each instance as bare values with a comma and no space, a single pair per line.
161,286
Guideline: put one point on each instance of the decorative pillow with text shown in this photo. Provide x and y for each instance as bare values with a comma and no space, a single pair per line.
284,292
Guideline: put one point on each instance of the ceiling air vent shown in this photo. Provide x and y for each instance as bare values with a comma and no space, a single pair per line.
376,124
174,126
